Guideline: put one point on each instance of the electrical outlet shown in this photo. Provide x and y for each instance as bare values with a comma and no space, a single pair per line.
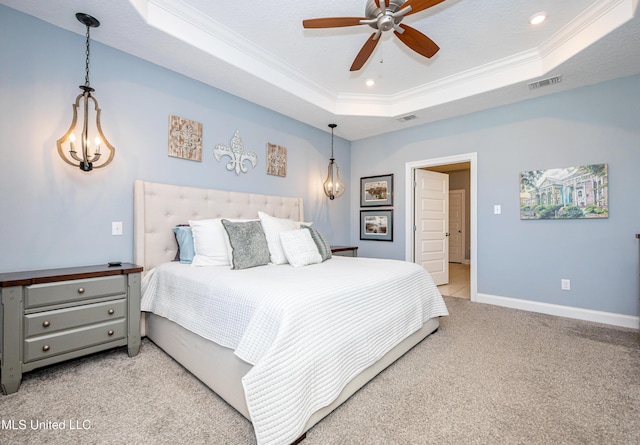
116,228
565,284
497,209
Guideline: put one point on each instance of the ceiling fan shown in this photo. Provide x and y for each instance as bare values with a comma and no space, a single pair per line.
384,15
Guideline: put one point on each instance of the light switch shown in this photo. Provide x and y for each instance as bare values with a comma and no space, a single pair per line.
116,228
497,209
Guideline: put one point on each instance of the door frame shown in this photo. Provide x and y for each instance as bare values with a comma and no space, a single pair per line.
472,158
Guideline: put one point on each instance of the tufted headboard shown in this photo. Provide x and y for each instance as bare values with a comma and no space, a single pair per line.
159,207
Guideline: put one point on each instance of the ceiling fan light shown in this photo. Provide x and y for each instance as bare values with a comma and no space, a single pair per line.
383,16
370,82
538,18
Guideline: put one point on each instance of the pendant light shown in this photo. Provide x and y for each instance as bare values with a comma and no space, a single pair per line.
333,186
89,156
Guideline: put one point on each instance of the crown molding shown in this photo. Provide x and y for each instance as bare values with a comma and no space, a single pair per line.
181,20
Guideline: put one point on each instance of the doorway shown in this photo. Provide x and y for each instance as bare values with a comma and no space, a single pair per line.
446,164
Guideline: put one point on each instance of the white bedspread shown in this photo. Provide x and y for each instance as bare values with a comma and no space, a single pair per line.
307,331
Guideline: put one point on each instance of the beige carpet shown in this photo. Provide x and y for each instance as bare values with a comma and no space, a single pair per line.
490,375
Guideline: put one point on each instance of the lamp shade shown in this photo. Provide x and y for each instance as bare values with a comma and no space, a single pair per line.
333,185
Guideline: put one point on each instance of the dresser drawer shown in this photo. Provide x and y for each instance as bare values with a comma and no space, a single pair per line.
52,321
64,341
65,291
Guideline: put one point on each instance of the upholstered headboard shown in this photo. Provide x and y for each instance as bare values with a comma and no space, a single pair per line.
159,207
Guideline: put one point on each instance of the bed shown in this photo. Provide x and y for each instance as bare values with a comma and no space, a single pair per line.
284,377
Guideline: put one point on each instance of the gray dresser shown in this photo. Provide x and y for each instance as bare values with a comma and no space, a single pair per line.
53,315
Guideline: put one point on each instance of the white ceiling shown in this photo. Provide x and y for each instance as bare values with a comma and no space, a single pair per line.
258,50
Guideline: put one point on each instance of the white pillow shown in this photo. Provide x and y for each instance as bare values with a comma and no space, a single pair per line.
273,227
210,243
300,248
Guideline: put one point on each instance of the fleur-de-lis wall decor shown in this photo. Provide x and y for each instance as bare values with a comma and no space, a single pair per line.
237,154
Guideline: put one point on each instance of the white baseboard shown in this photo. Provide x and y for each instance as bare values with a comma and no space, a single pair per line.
627,321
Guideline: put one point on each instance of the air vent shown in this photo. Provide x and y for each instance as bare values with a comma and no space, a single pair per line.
545,82
409,117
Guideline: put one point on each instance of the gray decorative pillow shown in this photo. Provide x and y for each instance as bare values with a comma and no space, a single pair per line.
321,242
248,244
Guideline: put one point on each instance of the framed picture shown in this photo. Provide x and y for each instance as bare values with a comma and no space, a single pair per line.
579,192
376,225
185,138
276,160
376,191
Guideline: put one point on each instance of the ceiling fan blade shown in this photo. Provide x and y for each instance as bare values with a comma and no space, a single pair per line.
365,52
333,22
417,41
419,5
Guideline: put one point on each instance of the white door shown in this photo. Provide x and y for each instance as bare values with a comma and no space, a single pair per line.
456,226
431,222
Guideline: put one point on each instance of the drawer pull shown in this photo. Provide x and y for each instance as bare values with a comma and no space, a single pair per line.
46,323
81,290
45,348
110,333
111,312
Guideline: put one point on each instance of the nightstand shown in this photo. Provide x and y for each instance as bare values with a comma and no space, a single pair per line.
49,316
344,250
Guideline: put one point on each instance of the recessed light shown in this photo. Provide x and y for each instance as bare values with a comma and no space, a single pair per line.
538,18
370,82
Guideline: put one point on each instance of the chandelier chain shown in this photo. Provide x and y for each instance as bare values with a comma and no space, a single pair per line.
332,158
86,66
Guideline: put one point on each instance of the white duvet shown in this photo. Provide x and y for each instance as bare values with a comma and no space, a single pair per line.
307,331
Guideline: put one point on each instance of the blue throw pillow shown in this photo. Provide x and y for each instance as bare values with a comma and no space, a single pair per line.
186,249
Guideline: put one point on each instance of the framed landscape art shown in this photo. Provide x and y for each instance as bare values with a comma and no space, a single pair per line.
376,191
565,193
376,225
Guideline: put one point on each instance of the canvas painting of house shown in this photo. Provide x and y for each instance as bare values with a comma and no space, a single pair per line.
565,193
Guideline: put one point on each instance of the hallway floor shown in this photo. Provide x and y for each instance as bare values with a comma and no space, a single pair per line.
459,281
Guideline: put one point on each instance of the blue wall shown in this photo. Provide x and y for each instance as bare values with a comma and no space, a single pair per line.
526,259
54,215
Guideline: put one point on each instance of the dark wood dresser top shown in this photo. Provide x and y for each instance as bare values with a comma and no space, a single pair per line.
70,273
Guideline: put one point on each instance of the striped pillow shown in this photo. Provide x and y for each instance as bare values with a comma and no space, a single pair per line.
321,242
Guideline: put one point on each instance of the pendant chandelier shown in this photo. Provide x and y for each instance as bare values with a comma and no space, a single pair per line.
89,156
333,186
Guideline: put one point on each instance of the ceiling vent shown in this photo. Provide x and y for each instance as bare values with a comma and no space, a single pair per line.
409,117
545,82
